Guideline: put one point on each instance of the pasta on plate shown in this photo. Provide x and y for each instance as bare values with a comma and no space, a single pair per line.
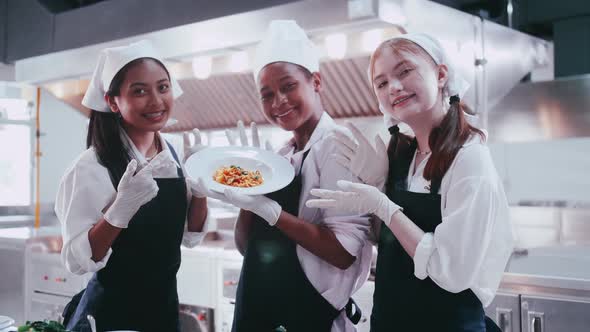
236,176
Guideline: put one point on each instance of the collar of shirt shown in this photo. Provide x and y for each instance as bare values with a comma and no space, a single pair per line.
288,150
416,181
141,159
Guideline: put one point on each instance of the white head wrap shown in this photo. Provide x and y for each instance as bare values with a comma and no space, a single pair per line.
110,61
456,85
285,41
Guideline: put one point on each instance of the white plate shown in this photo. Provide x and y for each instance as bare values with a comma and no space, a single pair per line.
276,171
6,322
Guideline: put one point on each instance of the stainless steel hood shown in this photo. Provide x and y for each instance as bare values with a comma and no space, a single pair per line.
543,110
493,58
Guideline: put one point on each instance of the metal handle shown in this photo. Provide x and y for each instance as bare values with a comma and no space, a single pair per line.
536,323
504,319
536,319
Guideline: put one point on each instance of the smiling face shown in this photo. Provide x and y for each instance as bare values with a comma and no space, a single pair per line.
406,80
289,94
143,95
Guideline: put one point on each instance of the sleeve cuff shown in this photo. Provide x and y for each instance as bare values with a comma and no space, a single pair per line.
82,253
351,232
192,239
422,255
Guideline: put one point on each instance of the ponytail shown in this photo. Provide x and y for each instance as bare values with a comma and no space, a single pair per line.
447,138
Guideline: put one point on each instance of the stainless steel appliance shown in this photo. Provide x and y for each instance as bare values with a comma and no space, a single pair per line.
229,275
48,285
196,319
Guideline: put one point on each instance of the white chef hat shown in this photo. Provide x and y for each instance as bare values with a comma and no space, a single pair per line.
285,41
110,61
456,84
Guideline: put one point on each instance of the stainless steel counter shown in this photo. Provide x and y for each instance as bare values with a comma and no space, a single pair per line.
558,270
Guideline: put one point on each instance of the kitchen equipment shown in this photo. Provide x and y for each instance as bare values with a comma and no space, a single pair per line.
196,319
13,242
228,272
48,285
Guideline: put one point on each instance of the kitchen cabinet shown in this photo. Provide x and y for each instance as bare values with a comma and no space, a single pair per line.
505,311
539,313
546,314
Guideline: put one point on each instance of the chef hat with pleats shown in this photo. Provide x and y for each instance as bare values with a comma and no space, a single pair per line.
456,84
110,61
285,41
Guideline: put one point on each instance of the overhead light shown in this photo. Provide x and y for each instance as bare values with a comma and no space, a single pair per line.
202,67
336,45
371,39
239,62
509,8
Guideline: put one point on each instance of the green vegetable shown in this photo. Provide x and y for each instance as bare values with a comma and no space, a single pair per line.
42,326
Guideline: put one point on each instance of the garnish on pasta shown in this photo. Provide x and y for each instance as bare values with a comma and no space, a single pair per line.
236,176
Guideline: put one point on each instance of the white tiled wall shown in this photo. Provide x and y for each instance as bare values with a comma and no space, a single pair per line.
556,170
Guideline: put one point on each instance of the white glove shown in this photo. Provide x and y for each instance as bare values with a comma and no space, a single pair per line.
367,163
355,198
263,206
231,137
190,149
133,192
199,190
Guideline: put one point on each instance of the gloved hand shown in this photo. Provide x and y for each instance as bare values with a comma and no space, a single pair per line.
261,205
355,198
367,163
133,191
231,137
199,190
190,149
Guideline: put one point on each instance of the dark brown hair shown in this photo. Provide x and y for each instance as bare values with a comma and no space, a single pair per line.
104,129
446,139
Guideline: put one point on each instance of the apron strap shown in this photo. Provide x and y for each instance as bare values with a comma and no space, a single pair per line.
353,311
303,160
400,152
178,169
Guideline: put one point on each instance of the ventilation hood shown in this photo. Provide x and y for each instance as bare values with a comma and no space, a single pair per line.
543,111
493,58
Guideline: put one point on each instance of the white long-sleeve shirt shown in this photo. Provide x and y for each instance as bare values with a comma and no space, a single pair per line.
320,170
470,248
85,193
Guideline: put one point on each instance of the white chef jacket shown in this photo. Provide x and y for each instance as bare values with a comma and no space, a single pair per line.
320,170
470,248
85,193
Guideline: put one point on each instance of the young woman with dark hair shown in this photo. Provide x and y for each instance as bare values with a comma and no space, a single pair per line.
124,204
301,265
445,237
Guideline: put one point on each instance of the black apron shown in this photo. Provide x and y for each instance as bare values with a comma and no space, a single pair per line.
273,289
401,301
136,290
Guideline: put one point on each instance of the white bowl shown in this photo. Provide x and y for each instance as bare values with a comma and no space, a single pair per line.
276,170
